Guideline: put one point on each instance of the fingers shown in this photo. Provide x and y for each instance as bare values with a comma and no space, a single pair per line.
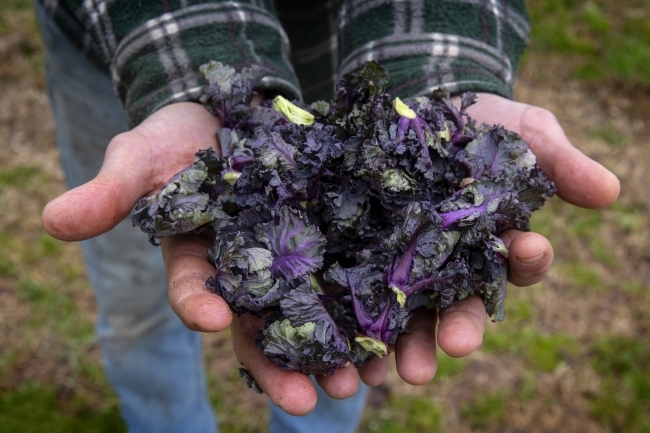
374,372
187,271
415,353
461,327
99,205
580,180
343,383
291,391
531,256
136,164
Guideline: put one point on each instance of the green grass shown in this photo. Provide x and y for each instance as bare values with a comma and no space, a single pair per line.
35,408
12,11
7,267
558,217
486,410
404,414
448,367
541,352
611,135
17,24
623,403
601,41
604,39
21,175
631,218
232,417
580,276
527,391
581,231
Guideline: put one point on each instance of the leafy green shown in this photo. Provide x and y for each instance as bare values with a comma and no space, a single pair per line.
398,205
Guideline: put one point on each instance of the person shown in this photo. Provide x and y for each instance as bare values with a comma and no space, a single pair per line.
123,82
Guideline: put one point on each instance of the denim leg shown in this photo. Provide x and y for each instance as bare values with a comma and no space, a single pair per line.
329,416
153,362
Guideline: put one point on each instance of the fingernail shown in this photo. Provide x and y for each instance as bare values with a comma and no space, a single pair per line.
531,260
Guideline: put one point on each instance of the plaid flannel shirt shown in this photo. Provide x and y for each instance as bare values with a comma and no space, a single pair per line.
153,48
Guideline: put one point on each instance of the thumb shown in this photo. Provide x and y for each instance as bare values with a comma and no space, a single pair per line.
99,205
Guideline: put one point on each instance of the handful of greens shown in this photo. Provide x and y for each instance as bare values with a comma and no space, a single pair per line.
338,219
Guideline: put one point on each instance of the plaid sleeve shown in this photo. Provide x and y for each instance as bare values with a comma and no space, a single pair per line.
154,48
424,44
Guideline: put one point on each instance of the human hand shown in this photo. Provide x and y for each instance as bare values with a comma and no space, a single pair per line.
137,164
460,327
579,180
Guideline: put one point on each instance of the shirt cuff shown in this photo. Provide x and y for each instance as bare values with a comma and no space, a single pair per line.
157,63
457,44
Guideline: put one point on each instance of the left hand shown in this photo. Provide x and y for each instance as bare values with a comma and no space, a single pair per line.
579,180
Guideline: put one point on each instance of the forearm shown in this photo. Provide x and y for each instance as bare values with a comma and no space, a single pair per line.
154,53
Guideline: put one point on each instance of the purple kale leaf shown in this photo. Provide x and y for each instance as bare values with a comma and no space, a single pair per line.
461,124
398,204
495,152
379,316
494,206
360,100
296,247
243,276
300,348
228,94
423,248
190,200
305,336
276,153
303,304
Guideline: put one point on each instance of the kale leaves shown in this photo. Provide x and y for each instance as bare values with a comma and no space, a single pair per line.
336,220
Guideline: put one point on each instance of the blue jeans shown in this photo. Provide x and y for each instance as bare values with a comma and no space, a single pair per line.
153,362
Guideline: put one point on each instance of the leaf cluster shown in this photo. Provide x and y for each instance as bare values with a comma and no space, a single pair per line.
338,225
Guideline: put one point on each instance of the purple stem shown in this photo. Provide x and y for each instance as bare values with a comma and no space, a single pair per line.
419,126
453,216
400,275
239,162
408,291
459,139
402,127
376,329
362,317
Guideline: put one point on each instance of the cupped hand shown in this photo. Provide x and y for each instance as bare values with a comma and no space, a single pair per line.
580,181
137,164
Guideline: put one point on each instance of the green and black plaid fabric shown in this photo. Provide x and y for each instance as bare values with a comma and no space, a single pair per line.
153,48
461,44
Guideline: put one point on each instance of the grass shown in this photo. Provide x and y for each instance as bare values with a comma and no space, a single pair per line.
623,402
570,356
404,414
21,176
540,352
486,410
33,407
611,135
605,40
448,367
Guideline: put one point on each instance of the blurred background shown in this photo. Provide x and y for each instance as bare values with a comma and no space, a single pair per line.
572,354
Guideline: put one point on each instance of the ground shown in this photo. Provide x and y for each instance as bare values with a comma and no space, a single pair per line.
570,356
